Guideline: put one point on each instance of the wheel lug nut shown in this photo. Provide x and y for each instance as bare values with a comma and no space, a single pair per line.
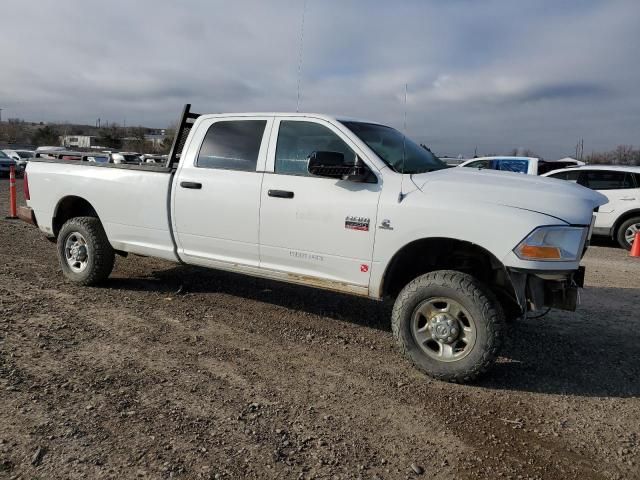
449,339
454,331
450,322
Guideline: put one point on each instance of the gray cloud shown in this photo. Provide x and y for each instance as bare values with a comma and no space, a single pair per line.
495,74
569,91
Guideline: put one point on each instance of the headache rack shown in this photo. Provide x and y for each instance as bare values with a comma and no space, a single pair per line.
186,124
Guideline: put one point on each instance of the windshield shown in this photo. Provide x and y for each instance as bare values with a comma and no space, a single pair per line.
396,150
25,154
3,155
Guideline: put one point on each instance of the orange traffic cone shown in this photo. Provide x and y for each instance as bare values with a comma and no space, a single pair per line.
12,192
635,246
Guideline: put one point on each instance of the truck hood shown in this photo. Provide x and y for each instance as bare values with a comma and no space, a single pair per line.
566,201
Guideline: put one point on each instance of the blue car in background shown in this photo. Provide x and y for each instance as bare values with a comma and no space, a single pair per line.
527,165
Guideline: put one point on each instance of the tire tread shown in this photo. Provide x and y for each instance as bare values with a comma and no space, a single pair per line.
102,251
489,306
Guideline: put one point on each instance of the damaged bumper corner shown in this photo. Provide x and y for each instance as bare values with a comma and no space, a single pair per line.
537,290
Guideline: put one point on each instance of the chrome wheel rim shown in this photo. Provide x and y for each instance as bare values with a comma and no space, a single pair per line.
630,232
76,252
443,329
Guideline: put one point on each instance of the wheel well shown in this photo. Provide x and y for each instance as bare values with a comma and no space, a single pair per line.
430,254
623,218
70,207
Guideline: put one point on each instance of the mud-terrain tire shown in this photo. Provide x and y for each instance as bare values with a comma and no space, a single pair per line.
432,309
631,225
85,254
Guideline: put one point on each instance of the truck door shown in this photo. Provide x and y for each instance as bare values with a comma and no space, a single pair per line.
315,227
216,197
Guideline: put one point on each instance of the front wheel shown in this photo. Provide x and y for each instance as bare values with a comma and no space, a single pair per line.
84,252
627,232
448,325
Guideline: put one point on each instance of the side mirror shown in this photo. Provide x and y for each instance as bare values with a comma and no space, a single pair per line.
331,165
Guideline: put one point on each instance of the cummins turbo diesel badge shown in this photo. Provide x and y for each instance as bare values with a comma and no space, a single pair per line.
357,223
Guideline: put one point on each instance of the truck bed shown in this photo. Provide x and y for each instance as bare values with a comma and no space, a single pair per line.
130,200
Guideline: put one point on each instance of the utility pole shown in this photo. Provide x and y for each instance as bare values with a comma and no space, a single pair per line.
0,115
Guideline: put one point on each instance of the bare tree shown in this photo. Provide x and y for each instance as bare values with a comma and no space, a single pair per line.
136,140
621,155
14,130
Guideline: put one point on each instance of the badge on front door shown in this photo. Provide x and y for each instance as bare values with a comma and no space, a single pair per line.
356,223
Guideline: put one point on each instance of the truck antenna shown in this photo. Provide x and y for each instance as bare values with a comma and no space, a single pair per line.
304,10
404,137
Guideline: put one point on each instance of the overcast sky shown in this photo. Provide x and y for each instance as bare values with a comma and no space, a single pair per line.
493,74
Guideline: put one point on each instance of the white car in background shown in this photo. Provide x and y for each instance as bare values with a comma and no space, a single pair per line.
528,165
620,218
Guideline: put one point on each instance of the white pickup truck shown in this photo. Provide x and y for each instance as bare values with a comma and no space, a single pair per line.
338,204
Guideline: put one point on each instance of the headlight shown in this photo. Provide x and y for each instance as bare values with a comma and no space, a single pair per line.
552,244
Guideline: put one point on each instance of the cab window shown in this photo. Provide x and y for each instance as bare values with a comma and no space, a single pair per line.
298,140
232,145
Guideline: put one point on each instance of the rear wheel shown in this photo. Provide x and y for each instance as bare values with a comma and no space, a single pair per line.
627,232
84,252
448,325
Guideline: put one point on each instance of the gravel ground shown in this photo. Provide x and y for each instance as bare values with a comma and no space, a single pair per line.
236,377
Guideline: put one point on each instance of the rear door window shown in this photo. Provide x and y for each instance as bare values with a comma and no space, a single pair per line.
232,145
608,180
570,176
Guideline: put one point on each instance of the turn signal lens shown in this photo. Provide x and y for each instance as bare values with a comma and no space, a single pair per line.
543,253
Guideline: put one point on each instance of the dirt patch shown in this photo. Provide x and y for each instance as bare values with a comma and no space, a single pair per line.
244,378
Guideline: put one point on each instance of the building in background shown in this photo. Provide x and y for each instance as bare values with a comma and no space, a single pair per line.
78,141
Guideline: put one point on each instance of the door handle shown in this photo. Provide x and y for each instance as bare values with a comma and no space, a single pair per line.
280,194
194,185
628,198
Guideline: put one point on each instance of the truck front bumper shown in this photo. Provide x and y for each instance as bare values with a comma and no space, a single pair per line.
536,290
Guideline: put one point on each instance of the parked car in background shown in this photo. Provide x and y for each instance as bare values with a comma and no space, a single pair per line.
528,165
154,159
59,155
130,158
96,158
21,157
47,148
6,162
620,218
